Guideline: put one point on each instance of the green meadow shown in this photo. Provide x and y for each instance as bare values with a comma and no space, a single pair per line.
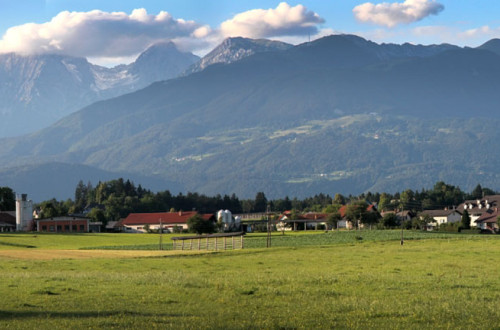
316,280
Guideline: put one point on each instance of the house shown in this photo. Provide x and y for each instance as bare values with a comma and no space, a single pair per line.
64,224
7,221
488,220
476,208
442,216
401,215
140,222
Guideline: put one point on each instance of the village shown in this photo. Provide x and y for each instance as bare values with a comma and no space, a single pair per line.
480,215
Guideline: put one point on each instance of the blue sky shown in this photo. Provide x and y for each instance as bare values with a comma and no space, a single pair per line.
109,31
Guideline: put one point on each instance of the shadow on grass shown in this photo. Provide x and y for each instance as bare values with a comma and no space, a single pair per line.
12,315
18,245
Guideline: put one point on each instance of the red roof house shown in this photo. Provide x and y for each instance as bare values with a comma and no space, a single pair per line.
138,222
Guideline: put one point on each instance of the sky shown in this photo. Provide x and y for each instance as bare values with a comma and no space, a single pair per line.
111,32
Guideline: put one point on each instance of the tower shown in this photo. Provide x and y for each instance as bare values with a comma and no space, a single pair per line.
24,212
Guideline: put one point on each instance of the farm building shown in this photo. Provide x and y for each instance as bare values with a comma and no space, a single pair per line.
64,224
141,222
305,221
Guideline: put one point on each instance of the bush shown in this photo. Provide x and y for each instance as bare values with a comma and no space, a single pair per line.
197,224
449,227
177,229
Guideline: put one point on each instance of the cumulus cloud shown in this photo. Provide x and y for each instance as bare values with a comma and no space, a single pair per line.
284,20
392,14
99,34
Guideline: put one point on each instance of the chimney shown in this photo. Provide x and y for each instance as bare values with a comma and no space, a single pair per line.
180,213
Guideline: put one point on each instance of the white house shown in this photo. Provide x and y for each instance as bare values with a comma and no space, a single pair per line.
476,208
442,217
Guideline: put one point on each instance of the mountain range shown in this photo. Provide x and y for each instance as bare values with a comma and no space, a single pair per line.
37,90
339,114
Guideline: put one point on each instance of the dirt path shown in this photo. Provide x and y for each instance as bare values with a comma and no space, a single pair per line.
85,254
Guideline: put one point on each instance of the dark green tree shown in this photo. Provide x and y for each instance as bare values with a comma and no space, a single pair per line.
465,220
356,212
384,202
197,224
260,203
338,199
97,215
390,220
7,199
334,216
477,192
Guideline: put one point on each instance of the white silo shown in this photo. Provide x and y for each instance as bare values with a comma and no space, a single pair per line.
24,212
228,216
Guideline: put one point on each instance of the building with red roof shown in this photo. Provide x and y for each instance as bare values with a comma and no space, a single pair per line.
140,222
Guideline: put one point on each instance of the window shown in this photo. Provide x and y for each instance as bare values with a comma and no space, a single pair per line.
82,227
66,227
52,228
44,228
59,228
73,227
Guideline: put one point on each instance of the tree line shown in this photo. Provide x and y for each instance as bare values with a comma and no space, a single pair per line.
115,199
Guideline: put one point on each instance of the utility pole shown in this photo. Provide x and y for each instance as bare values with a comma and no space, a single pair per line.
161,235
268,227
402,222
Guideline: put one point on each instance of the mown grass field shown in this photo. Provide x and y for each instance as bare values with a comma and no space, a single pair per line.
337,281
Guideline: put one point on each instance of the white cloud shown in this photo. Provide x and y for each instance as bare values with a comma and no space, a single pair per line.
392,14
98,34
454,35
284,20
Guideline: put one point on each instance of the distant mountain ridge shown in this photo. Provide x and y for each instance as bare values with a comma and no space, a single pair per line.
340,114
235,49
37,90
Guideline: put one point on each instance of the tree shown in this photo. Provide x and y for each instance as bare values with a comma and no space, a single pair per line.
334,217
384,202
260,204
338,199
406,199
389,220
97,215
7,199
370,218
465,220
356,212
422,221
197,224
477,193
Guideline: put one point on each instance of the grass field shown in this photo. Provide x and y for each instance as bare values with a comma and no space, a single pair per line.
342,280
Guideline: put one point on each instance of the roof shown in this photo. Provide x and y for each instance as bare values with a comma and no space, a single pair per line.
343,209
63,218
111,224
439,213
489,216
480,206
166,218
8,218
313,216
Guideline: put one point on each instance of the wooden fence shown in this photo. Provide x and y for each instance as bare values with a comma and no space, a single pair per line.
216,242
